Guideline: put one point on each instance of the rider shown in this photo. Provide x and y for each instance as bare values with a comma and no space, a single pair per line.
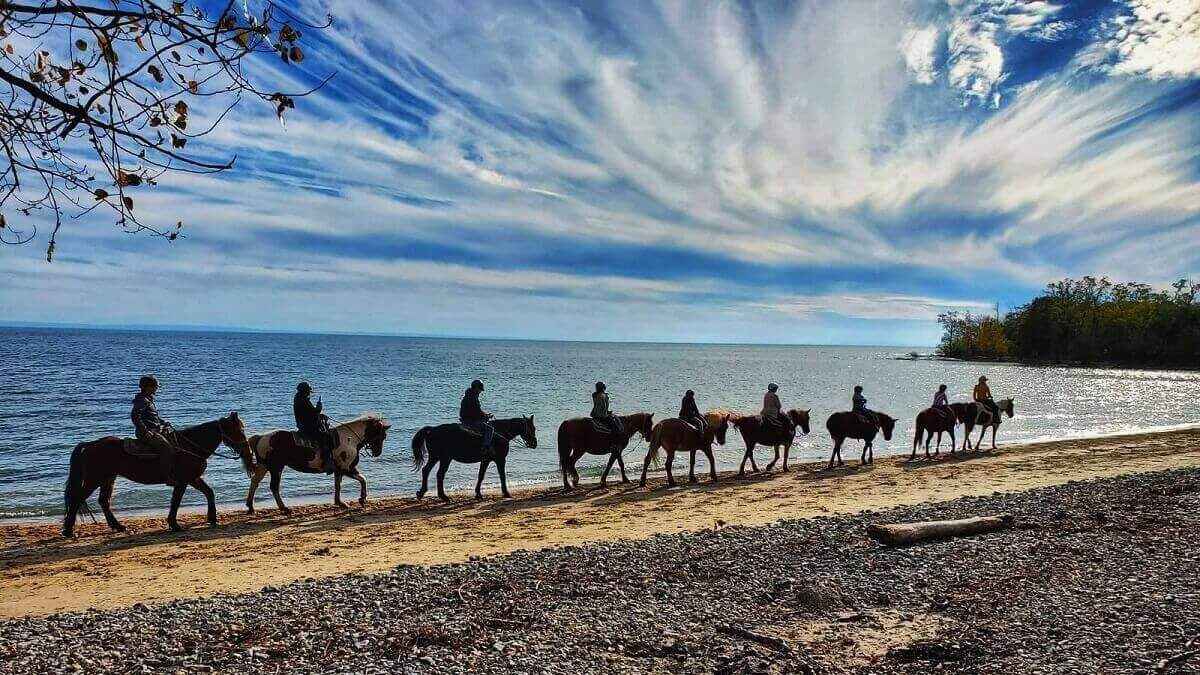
152,429
602,414
983,395
690,413
860,405
940,402
472,416
772,410
310,421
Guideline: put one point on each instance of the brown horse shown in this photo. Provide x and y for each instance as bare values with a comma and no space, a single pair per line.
843,425
977,414
578,436
97,465
275,450
754,433
674,435
931,420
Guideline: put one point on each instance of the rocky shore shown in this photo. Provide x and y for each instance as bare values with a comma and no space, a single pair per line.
1097,577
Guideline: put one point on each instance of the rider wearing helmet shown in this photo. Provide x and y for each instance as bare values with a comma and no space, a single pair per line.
472,416
603,414
151,429
311,422
859,403
772,410
689,412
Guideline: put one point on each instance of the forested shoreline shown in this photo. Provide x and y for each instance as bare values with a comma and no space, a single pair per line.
1086,321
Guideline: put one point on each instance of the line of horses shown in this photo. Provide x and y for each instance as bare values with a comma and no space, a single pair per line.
97,464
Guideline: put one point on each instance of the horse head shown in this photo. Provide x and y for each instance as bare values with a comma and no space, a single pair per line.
529,433
374,434
799,418
233,434
643,424
961,411
719,423
1006,406
887,424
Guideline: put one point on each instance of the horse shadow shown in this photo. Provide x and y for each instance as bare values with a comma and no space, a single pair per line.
944,459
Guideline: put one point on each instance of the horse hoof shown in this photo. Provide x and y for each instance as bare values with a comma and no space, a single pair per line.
211,523
362,503
444,499
286,511
175,527
785,469
340,505
625,481
642,483
118,528
67,533
478,497
506,495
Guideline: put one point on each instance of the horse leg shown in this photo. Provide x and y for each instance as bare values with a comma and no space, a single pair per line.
967,437
742,467
612,459
621,465
255,479
575,456
176,497
105,499
787,449
75,501
483,465
362,486
771,464
994,428
750,452
425,477
692,467
443,467
337,490
712,464
207,491
953,440
837,446
979,440
670,476
276,474
500,462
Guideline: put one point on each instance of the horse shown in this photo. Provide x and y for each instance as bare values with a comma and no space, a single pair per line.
843,425
578,436
675,435
98,463
975,413
754,433
451,442
277,449
932,420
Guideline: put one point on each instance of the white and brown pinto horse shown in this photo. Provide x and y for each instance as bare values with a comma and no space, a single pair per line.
275,450
976,414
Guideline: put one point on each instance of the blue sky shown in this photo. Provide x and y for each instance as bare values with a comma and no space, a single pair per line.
684,171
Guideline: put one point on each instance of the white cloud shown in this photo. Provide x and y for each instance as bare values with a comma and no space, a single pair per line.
1159,39
919,47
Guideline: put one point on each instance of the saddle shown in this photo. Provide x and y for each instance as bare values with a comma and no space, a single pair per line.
603,428
133,446
303,439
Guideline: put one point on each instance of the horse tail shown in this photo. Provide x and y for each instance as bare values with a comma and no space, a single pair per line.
250,459
74,476
564,447
419,449
655,444
920,432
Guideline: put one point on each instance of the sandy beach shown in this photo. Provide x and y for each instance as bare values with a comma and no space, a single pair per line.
97,569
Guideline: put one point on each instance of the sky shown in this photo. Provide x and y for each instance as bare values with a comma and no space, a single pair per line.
781,172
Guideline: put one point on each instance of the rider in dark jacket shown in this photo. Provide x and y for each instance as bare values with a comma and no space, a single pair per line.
689,412
860,406
472,416
310,421
151,429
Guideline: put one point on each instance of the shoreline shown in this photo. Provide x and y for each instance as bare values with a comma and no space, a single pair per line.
491,483
245,553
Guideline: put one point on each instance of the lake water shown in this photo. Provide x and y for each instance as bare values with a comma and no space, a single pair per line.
60,386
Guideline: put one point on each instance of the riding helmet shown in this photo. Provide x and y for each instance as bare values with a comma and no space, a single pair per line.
600,386
303,388
476,384
858,387
983,378
146,381
689,392
772,387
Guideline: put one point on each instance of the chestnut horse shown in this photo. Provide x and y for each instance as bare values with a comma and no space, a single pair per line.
97,465
675,435
578,437
977,414
843,425
277,449
754,433
442,444
931,420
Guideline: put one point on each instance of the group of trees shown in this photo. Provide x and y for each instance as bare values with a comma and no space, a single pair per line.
1088,320
99,100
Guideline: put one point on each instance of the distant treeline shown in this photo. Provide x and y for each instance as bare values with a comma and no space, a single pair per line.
1086,321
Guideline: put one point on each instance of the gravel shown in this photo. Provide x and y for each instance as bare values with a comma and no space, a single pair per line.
1097,577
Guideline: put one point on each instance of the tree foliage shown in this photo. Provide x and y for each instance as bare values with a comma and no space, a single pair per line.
1090,320
99,100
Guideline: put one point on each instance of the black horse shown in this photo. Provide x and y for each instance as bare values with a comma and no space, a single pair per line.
450,442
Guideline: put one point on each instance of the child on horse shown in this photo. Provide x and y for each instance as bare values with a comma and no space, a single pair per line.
151,429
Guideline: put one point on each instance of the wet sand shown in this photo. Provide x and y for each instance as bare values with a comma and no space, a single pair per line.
44,573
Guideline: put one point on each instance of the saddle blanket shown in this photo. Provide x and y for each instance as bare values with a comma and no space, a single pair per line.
601,427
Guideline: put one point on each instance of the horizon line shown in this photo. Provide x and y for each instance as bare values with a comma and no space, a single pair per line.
191,328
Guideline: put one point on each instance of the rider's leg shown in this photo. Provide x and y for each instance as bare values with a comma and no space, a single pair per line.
488,434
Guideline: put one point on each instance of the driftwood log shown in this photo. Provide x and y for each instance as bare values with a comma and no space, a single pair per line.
901,534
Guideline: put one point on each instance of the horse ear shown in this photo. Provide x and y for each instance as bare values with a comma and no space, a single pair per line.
233,415
807,410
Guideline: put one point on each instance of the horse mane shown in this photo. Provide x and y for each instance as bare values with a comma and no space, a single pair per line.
734,415
365,417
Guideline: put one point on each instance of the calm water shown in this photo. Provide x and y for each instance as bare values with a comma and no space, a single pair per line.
58,387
